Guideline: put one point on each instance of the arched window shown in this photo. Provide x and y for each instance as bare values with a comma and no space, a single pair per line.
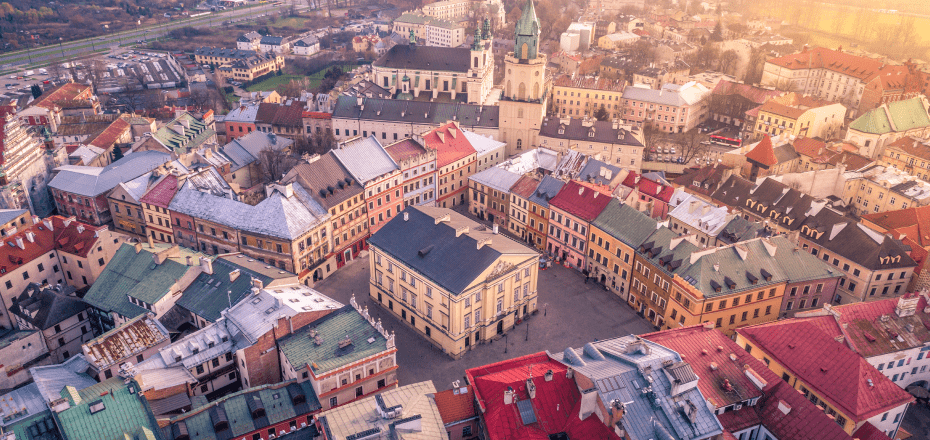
520,112
524,51
507,92
521,92
476,62
536,90
485,58
519,144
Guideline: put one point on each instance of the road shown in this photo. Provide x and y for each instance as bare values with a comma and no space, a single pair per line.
73,49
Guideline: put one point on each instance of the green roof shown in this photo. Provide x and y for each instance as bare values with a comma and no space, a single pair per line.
908,114
624,223
276,399
121,414
133,274
300,349
39,423
192,137
206,295
905,115
94,391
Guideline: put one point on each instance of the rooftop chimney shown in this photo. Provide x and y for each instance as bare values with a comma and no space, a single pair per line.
508,396
207,265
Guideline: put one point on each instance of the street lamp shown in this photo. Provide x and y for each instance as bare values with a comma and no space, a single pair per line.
527,331
505,343
62,48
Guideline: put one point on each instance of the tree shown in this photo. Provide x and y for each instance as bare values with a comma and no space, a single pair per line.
199,98
728,60
36,91
601,114
717,35
691,145
755,66
274,163
117,154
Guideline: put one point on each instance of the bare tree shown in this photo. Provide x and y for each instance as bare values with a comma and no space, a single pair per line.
691,145
274,163
199,98
728,60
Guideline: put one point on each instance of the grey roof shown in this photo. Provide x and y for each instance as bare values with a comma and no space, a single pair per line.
576,130
204,296
270,40
433,250
633,371
482,144
848,238
7,215
701,215
224,53
277,216
137,187
51,379
446,59
661,97
307,41
785,153
21,403
242,113
326,180
597,172
739,229
93,181
497,178
417,112
547,189
625,223
360,419
45,308
247,149
365,158
252,318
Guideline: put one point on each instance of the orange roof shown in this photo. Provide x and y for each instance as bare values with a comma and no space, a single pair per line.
111,134
317,115
913,222
763,153
449,142
782,110
64,92
912,146
823,58
37,239
456,404
809,147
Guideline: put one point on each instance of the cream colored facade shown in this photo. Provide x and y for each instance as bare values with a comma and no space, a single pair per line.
523,105
881,192
579,101
500,294
448,9
821,122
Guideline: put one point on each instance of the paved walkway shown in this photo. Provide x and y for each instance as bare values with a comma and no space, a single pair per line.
571,313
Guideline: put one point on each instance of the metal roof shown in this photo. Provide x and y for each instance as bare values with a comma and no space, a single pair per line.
93,181
453,261
631,370
497,178
415,403
365,158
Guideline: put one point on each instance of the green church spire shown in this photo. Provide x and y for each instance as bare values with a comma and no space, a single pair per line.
527,33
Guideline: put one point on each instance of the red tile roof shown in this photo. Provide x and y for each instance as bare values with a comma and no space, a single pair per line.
64,92
455,406
911,146
66,235
809,147
763,153
111,134
783,110
450,143
809,351
317,115
525,186
757,95
868,431
867,335
404,149
579,201
914,222
823,58
703,347
162,192
556,405
590,82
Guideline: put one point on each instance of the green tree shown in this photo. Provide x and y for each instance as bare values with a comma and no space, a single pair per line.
717,35
601,114
36,91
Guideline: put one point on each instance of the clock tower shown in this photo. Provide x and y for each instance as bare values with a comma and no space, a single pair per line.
526,87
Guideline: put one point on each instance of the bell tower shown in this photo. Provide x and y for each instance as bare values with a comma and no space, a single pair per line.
523,104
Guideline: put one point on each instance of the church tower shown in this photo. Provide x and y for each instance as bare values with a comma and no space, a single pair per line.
482,64
523,104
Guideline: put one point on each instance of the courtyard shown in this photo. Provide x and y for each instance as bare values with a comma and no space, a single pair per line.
571,313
